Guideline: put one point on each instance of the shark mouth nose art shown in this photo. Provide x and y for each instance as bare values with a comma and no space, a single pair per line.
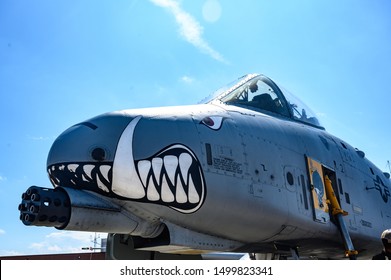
86,175
172,177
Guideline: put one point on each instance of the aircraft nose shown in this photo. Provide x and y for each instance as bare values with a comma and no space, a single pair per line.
132,157
82,156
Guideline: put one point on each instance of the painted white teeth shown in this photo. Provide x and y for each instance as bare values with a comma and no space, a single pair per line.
104,170
171,164
52,178
72,167
193,195
186,161
165,178
88,174
180,195
88,170
143,168
157,164
176,173
54,181
169,178
152,193
167,195
100,184
84,178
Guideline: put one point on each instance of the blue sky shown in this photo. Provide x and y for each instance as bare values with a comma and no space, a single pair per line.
62,62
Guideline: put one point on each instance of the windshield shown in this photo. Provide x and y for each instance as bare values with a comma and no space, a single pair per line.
300,111
259,93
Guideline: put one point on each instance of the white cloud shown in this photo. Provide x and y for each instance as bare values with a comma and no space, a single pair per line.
2,178
187,79
189,28
46,247
2,231
38,138
10,253
65,242
72,235
55,248
37,246
321,114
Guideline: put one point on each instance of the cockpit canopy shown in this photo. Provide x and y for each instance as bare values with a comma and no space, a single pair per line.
259,93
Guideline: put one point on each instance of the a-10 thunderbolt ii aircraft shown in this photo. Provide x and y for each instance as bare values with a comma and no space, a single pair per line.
249,170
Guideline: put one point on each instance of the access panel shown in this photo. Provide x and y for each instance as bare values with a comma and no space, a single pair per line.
318,192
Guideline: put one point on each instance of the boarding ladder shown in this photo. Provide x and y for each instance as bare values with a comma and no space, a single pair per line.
338,213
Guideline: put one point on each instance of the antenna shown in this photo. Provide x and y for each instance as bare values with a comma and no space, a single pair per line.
96,237
389,166
95,244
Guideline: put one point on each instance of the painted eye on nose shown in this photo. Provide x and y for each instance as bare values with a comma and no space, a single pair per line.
98,154
213,122
208,121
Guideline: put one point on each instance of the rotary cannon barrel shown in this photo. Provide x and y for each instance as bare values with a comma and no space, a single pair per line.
45,207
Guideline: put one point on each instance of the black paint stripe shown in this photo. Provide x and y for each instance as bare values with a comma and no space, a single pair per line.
88,124
208,154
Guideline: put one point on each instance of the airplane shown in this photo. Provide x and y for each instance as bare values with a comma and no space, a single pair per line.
250,169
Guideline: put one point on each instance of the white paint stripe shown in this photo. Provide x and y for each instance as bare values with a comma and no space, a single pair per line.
126,182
